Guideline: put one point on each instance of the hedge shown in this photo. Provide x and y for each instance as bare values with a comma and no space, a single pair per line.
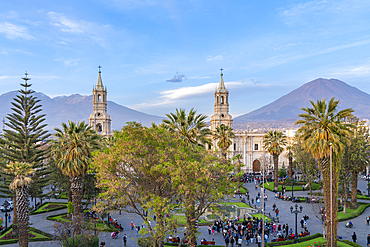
44,236
301,239
349,242
351,215
40,211
94,242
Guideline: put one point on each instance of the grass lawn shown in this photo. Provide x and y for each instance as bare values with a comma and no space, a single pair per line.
100,226
51,206
353,213
239,204
317,241
181,220
37,236
260,217
270,187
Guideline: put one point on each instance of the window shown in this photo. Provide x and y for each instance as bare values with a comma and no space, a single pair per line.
255,146
222,99
217,99
99,98
234,146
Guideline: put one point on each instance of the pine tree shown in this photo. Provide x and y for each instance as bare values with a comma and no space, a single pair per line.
25,141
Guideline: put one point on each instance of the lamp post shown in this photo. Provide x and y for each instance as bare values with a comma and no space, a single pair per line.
331,194
368,188
296,212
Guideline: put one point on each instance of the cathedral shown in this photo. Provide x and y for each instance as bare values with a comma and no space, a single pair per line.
100,120
248,144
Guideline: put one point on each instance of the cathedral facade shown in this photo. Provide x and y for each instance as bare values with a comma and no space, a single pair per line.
99,119
248,144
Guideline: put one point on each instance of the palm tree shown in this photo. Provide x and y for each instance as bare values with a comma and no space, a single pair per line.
192,128
224,135
273,142
20,183
290,159
322,126
239,165
73,152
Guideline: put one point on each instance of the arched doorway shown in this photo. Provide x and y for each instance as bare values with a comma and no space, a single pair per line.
256,166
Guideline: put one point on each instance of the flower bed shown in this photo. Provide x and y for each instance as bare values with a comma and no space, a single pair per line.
10,235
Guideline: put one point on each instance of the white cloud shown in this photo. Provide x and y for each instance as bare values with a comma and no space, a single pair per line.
214,58
93,31
12,31
68,62
362,70
4,77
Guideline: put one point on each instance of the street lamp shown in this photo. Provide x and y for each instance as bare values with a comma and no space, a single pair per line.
6,206
296,212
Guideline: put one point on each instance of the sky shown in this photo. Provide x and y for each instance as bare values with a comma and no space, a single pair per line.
158,55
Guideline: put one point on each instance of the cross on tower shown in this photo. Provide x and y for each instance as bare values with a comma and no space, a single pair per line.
99,68
221,71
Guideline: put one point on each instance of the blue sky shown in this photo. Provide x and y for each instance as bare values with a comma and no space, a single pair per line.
267,49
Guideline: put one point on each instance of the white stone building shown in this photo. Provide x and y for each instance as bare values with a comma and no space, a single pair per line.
248,144
100,120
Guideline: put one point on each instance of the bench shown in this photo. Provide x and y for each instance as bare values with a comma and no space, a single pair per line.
207,242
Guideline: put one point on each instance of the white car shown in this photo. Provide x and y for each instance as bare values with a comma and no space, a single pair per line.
8,208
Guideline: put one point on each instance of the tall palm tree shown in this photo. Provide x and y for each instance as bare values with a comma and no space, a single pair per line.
224,135
192,128
73,152
274,142
322,126
290,159
20,183
239,165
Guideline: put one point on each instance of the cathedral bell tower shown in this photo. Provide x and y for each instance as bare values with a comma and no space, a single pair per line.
221,115
100,120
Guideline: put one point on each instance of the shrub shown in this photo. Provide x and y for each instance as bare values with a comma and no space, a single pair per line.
145,242
70,207
86,240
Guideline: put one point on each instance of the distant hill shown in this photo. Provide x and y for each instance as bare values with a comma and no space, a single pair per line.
77,107
287,108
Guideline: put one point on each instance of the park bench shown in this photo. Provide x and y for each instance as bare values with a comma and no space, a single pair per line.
207,242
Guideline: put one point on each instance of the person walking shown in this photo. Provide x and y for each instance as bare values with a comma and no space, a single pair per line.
232,240
368,239
354,237
124,240
9,218
367,220
209,230
227,241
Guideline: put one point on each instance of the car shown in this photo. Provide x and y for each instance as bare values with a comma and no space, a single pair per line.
8,205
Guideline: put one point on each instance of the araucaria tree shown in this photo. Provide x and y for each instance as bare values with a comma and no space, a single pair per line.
224,135
25,140
20,184
72,152
274,142
191,128
322,126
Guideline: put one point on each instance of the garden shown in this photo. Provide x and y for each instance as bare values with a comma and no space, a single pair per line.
33,235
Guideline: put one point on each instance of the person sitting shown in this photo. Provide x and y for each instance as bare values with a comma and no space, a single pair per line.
349,223
301,234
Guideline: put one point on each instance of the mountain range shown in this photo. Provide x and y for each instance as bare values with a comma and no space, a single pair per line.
285,110
78,108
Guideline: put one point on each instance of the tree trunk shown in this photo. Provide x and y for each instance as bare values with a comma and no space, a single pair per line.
238,178
276,169
22,215
69,196
190,227
15,226
354,189
331,212
76,188
290,165
345,197
310,184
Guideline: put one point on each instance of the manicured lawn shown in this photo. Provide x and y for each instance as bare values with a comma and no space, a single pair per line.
317,241
181,220
239,204
51,206
353,213
100,226
260,216
270,187
37,235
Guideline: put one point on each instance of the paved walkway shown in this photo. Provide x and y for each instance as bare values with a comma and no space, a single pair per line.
314,225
